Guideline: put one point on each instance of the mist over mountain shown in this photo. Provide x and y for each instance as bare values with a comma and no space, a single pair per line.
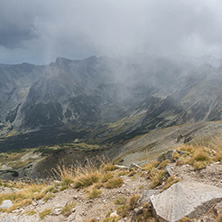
147,92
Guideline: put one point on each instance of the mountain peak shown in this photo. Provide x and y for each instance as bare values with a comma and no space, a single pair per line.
61,60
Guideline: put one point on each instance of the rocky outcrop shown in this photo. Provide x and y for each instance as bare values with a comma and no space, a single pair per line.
185,199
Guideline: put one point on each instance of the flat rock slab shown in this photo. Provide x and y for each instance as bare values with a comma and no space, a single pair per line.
184,198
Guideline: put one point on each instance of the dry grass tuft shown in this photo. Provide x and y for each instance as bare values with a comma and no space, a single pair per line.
84,176
111,219
67,210
120,201
114,183
44,213
156,177
95,193
108,166
170,181
48,197
24,196
163,164
29,212
133,201
128,206
86,179
185,219
219,217
107,176
201,153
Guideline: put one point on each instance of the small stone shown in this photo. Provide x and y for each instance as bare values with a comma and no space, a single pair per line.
206,219
121,167
34,203
134,165
75,197
57,211
168,171
84,213
18,211
114,214
41,202
138,211
6,204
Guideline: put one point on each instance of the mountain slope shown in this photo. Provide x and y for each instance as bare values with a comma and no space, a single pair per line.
109,99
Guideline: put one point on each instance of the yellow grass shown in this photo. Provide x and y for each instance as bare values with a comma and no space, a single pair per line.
202,153
170,181
67,210
24,196
95,193
114,183
44,213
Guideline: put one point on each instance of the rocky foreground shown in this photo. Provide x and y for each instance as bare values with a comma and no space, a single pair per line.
177,187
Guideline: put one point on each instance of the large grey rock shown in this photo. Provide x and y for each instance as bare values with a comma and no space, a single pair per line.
185,198
6,204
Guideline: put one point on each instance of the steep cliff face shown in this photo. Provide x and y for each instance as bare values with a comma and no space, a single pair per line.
109,96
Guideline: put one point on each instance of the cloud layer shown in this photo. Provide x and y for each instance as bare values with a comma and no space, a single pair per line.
38,31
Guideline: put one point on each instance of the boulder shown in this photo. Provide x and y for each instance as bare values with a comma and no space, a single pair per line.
6,204
184,199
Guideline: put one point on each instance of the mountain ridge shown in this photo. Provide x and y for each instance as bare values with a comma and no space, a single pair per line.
95,92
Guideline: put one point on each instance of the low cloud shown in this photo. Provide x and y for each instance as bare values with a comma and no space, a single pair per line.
39,30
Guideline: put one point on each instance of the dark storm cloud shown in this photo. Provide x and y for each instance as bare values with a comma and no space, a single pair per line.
38,31
16,24
13,35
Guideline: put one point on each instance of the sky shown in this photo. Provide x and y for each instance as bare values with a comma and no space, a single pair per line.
39,31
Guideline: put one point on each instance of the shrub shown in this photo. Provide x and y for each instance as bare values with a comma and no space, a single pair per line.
120,201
